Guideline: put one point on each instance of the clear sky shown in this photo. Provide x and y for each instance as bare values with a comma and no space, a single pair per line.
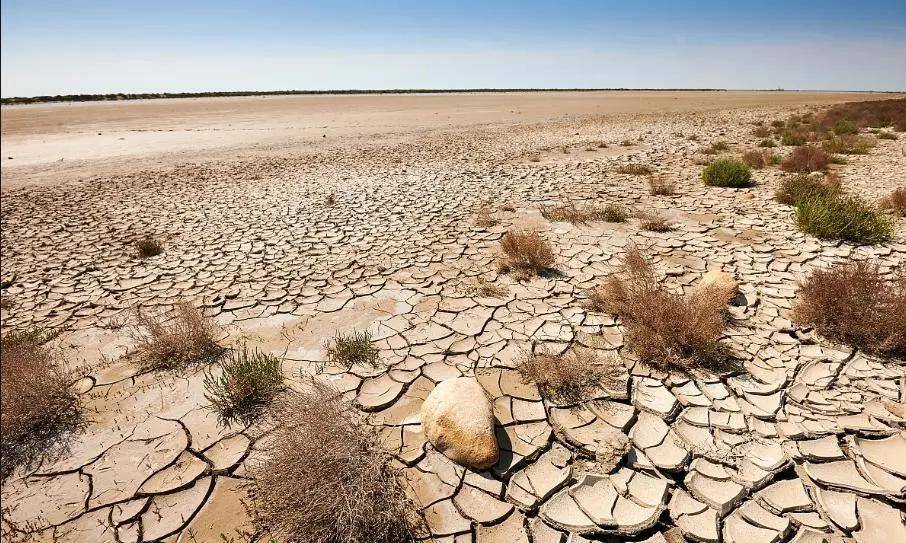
100,46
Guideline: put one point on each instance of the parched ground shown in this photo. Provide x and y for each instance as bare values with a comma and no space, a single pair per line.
805,442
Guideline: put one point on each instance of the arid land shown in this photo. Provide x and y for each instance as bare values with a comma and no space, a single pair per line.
804,441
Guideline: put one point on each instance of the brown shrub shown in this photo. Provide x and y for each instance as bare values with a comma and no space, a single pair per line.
37,404
716,147
852,303
326,478
635,169
876,113
571,377
805,159
761,131
896,201
758,159
186,337
661,186
148,247
568,212
525,253
487,289
663,328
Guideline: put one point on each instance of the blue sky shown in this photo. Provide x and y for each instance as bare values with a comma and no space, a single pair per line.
92,46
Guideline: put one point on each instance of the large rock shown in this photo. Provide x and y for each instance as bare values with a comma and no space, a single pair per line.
458,419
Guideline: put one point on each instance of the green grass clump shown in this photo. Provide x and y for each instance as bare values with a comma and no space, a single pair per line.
847,217
612,213
727,172
848,144
845,127
797,188
353,348
792,138
247,382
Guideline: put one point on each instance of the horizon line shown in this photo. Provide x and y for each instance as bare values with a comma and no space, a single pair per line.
122,96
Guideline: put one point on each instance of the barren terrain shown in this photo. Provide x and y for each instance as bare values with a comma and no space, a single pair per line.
804,440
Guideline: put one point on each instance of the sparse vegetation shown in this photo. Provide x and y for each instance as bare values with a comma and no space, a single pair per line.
571,377
148,247
845,127
895,201
487,289
872,113
792,138
727,172
326,477
568,212
761,131
759,159
852,303
768,143
805,159
837,215
330,200
186,337
635,169
525,254
663,328
243,384
661,186
612,213
37,404
886,136
347,350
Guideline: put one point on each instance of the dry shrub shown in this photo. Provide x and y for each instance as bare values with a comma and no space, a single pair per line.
797,188
759,159
852,303
767,142
484,218
805,159
330,200
849,144
568,212
635,169
186,337
611,213
886,136
347,350
896,201
326,478
148,247
571,377
660,186
487,289
761,131
37,404
525,253
716,147
654,222
663,328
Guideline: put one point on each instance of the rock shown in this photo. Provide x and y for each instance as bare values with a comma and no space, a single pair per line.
458,420
611,450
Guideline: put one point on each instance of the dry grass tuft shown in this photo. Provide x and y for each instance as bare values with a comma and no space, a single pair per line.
243,385
663,328
895,201
571,377
716,147
805,159
37,404
661,186
327,479
567,212
487,289
525,254
347,350
148,247
612,213
759,159
484,218
655,222
187,337
635,169
852,303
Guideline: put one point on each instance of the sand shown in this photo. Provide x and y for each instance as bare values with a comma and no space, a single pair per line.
53,143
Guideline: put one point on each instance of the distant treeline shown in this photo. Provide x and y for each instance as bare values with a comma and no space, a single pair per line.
151,95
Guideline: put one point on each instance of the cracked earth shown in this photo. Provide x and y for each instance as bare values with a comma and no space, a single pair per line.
804,442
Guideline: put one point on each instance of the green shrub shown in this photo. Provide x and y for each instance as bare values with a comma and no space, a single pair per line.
767,142
248,380
886,136
727,172
845,127
847,217
611,213
792,138
797,188
353,348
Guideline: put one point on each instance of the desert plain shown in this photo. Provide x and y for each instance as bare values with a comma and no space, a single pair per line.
288,219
